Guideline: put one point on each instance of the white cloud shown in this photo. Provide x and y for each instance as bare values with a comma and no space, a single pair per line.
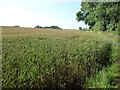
13,16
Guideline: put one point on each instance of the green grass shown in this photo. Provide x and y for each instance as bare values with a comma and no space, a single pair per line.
104,79
53,58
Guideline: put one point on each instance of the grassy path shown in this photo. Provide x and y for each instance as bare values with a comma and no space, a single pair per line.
116,73
108,77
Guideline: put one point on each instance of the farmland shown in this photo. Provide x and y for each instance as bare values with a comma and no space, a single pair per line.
50,58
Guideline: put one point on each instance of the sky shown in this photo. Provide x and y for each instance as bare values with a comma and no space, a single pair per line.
29,13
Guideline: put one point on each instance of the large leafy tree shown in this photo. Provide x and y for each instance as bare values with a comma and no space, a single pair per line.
100,15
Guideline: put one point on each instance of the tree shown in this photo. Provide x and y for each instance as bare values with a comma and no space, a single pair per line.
55,27
38,26
80,28
100,15
16,26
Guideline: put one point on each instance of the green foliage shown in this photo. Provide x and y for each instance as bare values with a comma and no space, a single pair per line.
80,28
51,27
38,26
55,27
85,29
104,79
97,26
42,62
80,16
16,26
104,13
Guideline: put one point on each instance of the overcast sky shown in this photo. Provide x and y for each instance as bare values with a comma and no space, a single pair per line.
29,13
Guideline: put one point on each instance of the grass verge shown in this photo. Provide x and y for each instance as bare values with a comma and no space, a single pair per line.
104,79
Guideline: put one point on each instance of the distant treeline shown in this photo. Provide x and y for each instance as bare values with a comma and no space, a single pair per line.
16,26
51,27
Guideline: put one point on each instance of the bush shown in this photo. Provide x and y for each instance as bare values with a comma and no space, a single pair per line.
38,26
16,26
55,27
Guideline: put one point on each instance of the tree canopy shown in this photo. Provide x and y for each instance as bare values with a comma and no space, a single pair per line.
100,15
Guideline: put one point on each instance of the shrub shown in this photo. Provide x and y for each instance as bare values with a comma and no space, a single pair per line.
38,26
16,26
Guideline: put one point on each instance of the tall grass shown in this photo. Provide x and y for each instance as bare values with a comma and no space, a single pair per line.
51,61
106,78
